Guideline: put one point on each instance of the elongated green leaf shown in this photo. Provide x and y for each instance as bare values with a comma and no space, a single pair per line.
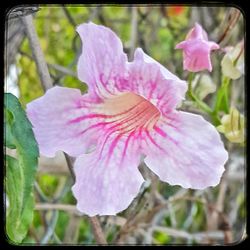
18,220
221,103
20,172
8,137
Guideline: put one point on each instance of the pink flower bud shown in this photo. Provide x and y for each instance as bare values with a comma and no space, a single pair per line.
196,50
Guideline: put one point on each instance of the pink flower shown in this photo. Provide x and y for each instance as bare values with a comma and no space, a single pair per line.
196,50
128,113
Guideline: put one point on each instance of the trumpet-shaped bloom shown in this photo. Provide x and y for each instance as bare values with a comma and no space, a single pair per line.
128,112
196,50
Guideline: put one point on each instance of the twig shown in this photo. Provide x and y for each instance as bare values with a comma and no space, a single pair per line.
72,231
93,14
63,70
183,234
133,217
52,206
100,15
57,67
200,201
214,216
70,166
23,11
42,196
33,234
62,189
117,220
133,36
233,17
56,238
68,15
51,228
37,52
47,83
99,236
146,219
131,225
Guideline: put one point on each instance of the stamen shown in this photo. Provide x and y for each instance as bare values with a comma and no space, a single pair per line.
129,111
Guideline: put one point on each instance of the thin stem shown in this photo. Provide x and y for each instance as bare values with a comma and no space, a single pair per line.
33,234
233,17
70,166
202,105
99,236
23,11
47,83
68,15
56,238
176,233
37,52
52,206
51,228
241,44
42,196
133,36
63,70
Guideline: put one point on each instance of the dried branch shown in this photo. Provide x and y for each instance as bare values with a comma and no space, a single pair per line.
63,70
57,67
146,218
37,52
231,20
72,231
69,161
133,36
33,234
47,83
69,17
214,215
62,207
99,236
20,11
51,228
200,236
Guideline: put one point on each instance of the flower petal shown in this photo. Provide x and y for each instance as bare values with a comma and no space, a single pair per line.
56,122
213,45
108,179
196,56
102,58
197,32
154,82
186,150
104,66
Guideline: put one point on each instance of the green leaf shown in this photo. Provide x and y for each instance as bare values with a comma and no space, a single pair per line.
18,220
20,172
8,137
221,103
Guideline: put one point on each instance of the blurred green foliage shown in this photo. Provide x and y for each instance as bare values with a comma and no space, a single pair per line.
48,183
161,238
